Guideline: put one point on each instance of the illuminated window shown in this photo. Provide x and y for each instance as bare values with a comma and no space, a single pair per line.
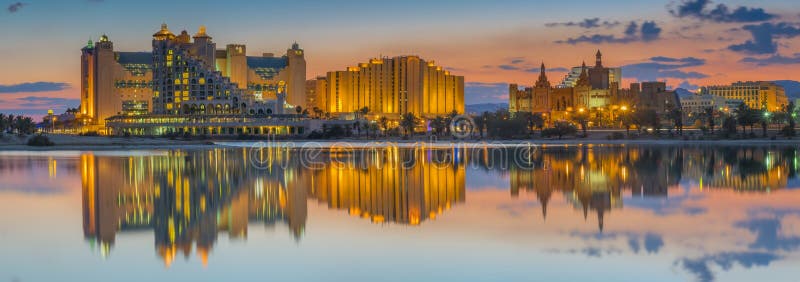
155,93
185,75
169,106
202,81
169,52
177,81
185,81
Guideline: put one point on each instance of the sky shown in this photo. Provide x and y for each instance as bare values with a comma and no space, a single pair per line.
687,43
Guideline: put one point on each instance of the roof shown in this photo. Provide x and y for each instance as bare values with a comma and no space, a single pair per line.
125,58
267,62
267,67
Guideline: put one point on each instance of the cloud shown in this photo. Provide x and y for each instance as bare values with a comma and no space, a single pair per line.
764,36
700,266
483,92
508,67
767,236
691,87
517,60
586,23
721,13
14,7
653,242
51,102
650,31
646,32
41,86
775,59
664,67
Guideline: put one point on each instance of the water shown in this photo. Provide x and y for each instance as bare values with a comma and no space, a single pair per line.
632,213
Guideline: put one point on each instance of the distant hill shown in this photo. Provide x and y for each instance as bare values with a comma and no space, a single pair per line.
683,93
485,107
791,87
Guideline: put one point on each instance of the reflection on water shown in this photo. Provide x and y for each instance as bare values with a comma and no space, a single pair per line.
619,200
187,198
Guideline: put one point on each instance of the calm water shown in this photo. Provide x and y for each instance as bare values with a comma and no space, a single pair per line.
634,213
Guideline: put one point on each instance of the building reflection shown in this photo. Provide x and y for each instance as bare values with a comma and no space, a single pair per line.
593,179
189,198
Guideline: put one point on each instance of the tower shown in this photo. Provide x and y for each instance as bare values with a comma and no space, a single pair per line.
237,64
204,48
98,100
542,82
599,59
296,84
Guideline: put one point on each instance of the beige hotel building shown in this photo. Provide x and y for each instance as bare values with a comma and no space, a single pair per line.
392,87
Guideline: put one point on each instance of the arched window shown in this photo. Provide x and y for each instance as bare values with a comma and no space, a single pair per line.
269,111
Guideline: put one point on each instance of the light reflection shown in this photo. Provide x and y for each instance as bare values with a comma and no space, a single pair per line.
189,197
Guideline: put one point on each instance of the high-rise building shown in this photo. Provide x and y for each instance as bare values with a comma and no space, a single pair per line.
755,94
392,87
113,83
187,85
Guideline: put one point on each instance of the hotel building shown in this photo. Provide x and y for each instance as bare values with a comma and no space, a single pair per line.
755,94
596,90
185,84
392,87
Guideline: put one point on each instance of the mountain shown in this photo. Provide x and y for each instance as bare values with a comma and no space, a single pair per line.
485,107
683,93
791,87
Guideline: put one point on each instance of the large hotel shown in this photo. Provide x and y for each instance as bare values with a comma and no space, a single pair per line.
391,87
594,89
187,85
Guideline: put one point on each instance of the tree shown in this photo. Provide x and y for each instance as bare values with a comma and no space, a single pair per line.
647,118
384,123
537,121
676,115
582,119
408,121
298,109
480,123
789,130
317,112
627,120
3,124
438,125
709,114
729,126
362,112
560,129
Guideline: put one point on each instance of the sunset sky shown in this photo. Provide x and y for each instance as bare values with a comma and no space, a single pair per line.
491,43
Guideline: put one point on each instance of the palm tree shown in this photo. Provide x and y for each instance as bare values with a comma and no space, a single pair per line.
676,115
408,121
582,119
3,124
709,113
362,112
384,123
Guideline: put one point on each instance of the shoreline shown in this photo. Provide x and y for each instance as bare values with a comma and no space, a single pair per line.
95,143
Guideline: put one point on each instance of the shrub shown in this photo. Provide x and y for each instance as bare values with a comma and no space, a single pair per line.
559,129
40,141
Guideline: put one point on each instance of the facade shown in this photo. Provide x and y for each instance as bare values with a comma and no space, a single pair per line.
392,87
596,89
187,79
696,104
113,83
756,94
654,96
